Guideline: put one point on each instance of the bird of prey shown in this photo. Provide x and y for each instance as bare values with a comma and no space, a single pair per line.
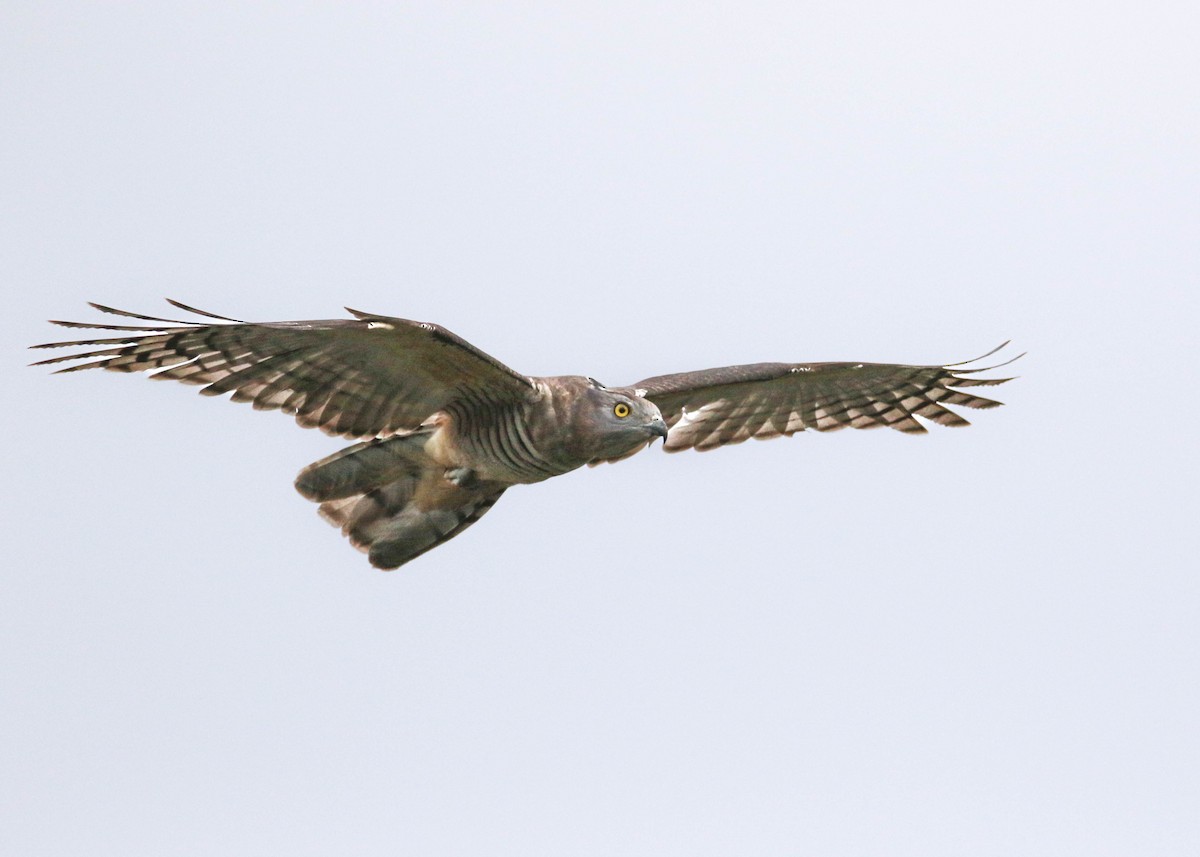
443,429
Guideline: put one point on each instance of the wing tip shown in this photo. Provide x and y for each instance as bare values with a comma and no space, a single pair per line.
954,367
983,356
201,312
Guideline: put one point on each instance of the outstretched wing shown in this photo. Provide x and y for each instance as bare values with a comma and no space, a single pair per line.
363,377
716,407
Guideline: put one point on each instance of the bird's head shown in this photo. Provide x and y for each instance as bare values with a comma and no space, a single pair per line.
615,422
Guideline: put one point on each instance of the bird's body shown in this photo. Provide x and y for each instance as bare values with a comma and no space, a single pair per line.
397,497
445,429
544,434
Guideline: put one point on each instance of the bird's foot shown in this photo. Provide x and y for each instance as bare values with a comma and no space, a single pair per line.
463,477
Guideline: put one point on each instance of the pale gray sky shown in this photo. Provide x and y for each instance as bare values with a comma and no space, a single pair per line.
978,642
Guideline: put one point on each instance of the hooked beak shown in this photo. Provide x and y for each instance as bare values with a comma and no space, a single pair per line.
659,428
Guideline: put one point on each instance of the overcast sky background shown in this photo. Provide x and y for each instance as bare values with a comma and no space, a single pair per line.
981,641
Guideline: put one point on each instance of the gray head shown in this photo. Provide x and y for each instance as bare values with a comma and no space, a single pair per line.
609,423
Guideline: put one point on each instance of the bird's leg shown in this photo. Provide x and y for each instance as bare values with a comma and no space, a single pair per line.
463,477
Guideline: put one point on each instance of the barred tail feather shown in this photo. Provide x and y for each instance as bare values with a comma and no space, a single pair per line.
391,501
364,466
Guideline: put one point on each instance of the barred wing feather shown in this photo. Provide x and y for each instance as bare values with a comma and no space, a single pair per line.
716,407
363,377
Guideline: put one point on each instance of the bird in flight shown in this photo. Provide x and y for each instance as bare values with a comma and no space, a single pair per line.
444,429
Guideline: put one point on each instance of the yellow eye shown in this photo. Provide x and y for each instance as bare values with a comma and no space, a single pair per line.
621,410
